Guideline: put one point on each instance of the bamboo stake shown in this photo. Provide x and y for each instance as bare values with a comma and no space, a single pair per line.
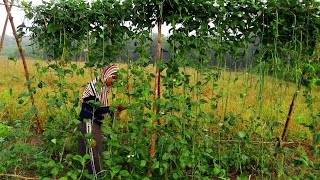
38,121
285,130
156,94
5,27
157,90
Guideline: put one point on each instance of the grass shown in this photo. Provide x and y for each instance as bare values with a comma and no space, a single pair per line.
245,94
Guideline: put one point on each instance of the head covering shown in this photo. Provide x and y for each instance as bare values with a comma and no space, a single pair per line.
91,89
109,71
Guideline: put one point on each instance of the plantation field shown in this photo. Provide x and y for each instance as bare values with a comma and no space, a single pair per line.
236,138
206,90
240,93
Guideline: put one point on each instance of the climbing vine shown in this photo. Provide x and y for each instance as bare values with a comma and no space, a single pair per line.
181,121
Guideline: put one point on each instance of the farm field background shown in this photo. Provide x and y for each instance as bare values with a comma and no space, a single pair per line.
238,114
241,98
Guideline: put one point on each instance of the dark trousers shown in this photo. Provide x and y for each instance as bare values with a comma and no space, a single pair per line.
92,146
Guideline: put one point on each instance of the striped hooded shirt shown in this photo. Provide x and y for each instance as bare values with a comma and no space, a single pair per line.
102,95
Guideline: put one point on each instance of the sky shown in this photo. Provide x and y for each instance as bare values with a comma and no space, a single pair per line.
17,14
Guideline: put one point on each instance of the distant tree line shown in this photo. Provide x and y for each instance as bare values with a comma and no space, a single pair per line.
10,48
129,53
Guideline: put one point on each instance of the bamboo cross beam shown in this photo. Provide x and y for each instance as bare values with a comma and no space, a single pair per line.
18,176
226,141
5,27
38,121
12,4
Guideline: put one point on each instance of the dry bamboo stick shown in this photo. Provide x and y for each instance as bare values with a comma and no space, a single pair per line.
38,121
5,27
18,176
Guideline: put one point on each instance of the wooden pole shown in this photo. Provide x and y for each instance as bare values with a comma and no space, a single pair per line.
156,94
38,121
15,176
285,130
286,126
5,27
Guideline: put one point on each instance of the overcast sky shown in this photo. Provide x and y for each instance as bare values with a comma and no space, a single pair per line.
17,14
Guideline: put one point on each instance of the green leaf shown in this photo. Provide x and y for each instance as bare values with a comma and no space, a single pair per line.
55,171
241,134
74,67
41,84
29,15
81,159
4,130
124,173
203,101
143,163
21,101
155,165
216,170
165,156
148,125
53,28
175,175
303,120
115,169
123,71
242,95
54,141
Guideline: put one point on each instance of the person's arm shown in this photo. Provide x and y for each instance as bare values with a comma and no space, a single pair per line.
103,110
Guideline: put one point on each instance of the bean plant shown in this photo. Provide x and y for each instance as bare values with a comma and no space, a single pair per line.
223,97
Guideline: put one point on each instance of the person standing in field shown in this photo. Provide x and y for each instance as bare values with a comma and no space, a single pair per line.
95,107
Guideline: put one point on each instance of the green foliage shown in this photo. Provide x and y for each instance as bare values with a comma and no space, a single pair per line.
192,139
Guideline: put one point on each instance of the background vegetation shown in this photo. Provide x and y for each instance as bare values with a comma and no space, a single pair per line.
10,48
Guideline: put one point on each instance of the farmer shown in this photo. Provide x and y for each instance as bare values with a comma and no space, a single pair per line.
95,107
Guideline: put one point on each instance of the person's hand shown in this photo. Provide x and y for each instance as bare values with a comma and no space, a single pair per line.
121,107
110,80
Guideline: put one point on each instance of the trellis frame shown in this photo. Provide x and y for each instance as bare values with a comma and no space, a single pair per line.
39,127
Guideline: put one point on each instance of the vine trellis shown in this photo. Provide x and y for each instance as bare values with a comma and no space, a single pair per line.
283,34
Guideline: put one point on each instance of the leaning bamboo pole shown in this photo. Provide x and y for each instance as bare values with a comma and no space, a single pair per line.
38,121
5,27
156,94
289,117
